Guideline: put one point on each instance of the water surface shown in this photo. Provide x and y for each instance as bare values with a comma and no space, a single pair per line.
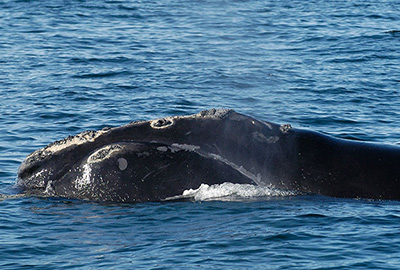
69,66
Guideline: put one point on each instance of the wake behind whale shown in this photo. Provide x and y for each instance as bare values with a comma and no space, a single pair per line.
168,158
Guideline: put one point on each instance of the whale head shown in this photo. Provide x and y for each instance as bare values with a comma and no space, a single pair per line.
153,160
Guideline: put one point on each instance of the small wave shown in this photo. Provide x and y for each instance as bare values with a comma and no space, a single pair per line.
101,74
232,192
11,196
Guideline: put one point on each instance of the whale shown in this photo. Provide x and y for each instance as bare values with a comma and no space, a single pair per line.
151,161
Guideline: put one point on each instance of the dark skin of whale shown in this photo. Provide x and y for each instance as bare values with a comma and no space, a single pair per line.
159,159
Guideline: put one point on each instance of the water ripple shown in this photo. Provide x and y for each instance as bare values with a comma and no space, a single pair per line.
69,66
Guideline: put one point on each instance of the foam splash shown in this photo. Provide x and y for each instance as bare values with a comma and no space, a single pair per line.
232,192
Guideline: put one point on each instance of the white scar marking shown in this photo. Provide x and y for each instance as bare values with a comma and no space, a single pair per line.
175,147
122,164
241,169
162,148
261,138
186,147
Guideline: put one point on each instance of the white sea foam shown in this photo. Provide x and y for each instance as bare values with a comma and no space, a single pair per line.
232,192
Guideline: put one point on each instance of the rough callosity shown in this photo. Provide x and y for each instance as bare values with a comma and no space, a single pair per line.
81,138
91,135
213,113
169,121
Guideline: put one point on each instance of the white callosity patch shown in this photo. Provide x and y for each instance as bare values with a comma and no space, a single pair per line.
122,164
162,122
104,153
232,192
85,179
84,137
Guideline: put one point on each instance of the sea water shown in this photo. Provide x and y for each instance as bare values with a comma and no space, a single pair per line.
70,66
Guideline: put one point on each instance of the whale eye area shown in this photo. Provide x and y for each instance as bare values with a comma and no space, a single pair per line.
161,123
122,163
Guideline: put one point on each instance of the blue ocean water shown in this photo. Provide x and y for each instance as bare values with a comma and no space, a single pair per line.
69,66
